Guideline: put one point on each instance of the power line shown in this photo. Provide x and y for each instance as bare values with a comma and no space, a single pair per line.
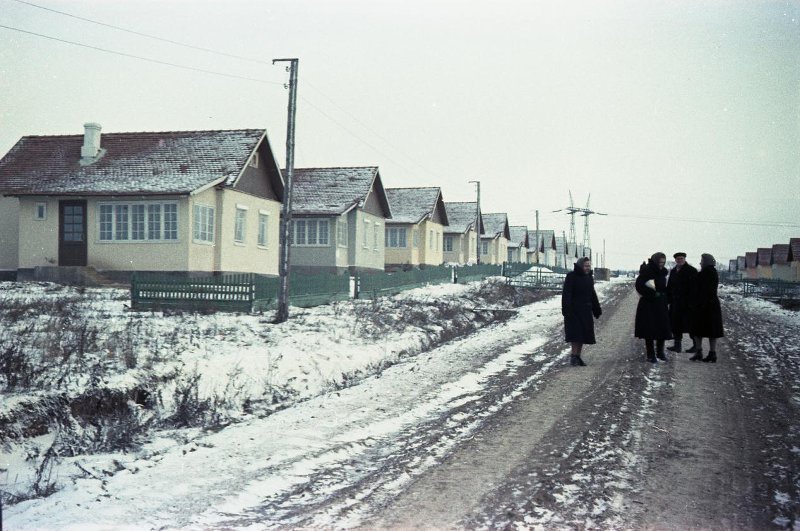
148,59
243,58
779,224
141,34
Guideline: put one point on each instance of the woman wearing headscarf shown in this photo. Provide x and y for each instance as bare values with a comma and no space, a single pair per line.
708,315
579,304
652,313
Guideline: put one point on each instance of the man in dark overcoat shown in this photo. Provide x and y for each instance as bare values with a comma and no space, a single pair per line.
579,305
680,296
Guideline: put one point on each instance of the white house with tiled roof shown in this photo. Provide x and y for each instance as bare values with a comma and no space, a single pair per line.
460,236
188,201
415,234
494,240
518,244
338,220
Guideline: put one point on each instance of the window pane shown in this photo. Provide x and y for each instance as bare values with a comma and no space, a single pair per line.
323,232
106,222
121,219
312,232
239,225
262,230
170,222
137,222
153,222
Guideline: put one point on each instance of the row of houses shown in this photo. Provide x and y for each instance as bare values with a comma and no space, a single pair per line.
779,262
211,201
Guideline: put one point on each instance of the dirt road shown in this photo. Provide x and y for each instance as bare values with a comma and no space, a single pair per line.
624,443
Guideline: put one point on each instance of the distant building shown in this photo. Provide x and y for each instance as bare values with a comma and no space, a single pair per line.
415,234
460,236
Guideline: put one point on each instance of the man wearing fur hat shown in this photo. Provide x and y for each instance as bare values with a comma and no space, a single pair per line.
680,296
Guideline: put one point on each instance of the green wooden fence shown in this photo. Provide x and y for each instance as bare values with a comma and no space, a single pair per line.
246,292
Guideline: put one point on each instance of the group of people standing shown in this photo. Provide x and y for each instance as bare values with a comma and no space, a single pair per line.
672,303
676,302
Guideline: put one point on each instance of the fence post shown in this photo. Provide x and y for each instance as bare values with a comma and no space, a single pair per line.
354,286
454,274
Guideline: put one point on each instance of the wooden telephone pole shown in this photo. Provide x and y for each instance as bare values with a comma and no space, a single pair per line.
286,217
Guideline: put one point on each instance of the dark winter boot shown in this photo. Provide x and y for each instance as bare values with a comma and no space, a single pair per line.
580,361
651,351
660,346
573,360
695,348
698,355
676,347
711,358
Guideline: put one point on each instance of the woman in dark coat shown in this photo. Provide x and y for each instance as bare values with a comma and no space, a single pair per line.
652,313
707,320
579,304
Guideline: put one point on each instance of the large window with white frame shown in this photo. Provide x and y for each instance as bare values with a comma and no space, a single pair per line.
310,232
396,237
263,228
143,221
240,225
203,229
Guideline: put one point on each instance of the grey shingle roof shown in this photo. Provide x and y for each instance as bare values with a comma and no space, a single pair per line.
519,236
174,162
412,205
334,191
794,245
547,238
495,224
751,259
781,253
460,216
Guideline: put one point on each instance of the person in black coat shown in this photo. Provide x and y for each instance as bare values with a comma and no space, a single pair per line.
652,313
680,296
708,315
579,304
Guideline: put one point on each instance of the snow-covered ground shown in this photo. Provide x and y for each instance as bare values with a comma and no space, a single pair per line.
188,477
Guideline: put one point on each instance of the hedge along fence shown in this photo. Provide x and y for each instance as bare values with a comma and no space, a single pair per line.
246,292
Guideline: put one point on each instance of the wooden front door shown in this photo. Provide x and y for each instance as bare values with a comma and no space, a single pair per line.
72,233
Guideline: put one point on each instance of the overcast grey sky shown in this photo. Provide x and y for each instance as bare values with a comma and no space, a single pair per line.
664,111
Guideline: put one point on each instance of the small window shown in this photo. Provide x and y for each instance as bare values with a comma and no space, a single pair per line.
448,244
263,226
341,232
254,160
484,247
416,238
40,211
366,234
240,225
203,224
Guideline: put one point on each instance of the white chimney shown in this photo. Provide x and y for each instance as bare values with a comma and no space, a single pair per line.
91,141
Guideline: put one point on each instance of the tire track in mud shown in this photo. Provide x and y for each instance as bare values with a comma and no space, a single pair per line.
366,483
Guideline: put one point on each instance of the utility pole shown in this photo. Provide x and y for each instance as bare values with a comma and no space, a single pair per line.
478,224
537,237
286,218
604,253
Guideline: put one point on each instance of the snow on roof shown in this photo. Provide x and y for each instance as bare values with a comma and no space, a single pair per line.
412,205
461,216
172,162
519,236
495,224
331,191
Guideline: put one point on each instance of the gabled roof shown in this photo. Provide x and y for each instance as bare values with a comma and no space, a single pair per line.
547,238
781,253
794,245
496,225
741,264
733,264
334,191
751,259
413,205
173,162
561,244
764,256
461,217
519,236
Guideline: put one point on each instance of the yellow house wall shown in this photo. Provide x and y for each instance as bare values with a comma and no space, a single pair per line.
9,233
431,243
403,255
136,256
38,239
782,272
202,255
247,256
764,271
